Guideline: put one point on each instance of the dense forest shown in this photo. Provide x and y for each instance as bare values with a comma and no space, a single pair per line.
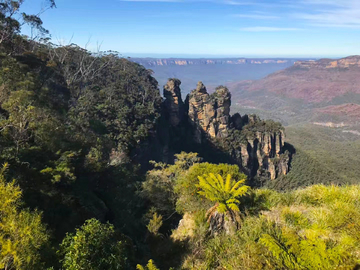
79,191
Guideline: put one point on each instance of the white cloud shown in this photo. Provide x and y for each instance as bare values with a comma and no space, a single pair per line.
268,29
338,3
331,13
317,13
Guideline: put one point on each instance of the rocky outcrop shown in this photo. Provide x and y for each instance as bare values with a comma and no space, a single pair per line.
222,98
173,103
201,112
209,114
257,146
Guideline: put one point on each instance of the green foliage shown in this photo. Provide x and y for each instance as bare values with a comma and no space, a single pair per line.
186,185
150,266
319,220
224,192
70,124
10,26
122,103
62,169
94,246
258,125
155,224
235,251
22,234
291,249
323,156
95,160
160,182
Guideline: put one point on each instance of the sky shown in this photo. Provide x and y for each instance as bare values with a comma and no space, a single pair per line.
204,28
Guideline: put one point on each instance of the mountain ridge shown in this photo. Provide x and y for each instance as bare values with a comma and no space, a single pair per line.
326,90
149,62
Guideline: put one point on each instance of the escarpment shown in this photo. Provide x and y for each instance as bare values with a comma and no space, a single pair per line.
203,123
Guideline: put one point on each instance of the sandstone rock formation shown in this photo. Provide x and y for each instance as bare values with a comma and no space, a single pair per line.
209,113
265,154
173,102
257,146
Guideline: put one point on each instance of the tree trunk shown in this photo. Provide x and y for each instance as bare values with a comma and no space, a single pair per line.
227,222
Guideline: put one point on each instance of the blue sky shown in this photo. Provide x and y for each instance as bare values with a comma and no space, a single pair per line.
164,28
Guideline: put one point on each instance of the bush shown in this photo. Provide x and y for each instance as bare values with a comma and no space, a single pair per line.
187,190
160,182
94,246
22,234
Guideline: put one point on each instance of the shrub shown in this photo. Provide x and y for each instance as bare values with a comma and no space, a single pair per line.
93,246
187,190
161,181
22,234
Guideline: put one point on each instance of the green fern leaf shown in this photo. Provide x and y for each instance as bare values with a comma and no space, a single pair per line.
228,183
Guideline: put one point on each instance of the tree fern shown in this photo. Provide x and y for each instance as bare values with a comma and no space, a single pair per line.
224,192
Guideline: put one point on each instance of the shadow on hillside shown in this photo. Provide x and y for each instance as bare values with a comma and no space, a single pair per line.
167,252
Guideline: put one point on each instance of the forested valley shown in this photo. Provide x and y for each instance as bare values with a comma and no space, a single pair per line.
82,185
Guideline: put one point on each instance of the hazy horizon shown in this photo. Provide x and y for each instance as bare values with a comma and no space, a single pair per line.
199,56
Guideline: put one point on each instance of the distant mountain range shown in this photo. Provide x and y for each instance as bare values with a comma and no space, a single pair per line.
150,62
324,92
212,71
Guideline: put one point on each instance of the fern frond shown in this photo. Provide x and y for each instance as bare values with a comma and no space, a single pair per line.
219,182
228,183
232,200
222,208
207,182
233,207
204,184
272,245
240,192
209,188
237,185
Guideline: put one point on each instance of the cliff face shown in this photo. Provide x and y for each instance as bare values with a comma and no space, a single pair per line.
209,113
351,61
264,154
173,103
152,62
256,146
